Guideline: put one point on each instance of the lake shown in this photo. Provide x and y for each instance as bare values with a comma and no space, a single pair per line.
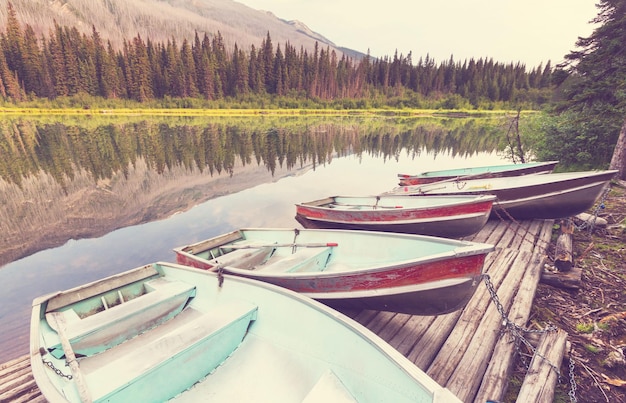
86,197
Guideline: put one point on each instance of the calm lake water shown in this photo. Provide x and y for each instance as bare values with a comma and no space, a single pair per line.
118,194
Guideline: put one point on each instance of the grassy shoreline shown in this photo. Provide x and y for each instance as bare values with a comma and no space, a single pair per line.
16,110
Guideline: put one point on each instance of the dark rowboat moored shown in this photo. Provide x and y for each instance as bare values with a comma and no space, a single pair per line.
445,216
550,196
413,274
491,171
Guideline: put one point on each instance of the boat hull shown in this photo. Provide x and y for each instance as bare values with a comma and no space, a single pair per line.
429,284
451,217
495,171
218,347
440,299
550,196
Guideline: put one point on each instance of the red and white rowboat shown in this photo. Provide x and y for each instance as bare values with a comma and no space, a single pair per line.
412,274
445,216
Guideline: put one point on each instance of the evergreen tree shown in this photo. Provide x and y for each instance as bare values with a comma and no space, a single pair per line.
594,102
190,78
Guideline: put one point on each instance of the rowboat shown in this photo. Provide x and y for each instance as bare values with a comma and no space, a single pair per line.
167,332
445,216
491,171
404,273
550,196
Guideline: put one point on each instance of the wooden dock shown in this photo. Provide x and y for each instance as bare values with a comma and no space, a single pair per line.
469,351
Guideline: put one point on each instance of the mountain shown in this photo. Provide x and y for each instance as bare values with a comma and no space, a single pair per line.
163,20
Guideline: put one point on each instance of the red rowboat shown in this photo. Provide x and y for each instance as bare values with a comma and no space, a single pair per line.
446,216
412,274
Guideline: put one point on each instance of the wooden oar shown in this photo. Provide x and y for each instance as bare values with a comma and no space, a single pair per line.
364,205
282,245
58,322
418,188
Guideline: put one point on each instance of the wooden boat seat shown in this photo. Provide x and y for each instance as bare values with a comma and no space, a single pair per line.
174,355
246,258
329,388
303,259
109,327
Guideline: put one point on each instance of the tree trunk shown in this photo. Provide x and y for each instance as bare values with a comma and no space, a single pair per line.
619,154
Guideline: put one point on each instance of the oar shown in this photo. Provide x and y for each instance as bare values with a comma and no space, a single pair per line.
282,245
364,205
418,188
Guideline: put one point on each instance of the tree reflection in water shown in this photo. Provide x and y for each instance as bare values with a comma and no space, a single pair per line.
98,178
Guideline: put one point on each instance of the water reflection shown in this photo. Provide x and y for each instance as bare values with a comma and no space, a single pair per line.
186,180
72,180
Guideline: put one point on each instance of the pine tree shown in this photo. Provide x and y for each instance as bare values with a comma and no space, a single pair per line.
596,96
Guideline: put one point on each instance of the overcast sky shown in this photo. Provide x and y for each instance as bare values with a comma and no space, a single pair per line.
529,31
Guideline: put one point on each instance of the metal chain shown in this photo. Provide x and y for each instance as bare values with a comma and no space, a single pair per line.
220,275
56,370
590,224
572,380
517,332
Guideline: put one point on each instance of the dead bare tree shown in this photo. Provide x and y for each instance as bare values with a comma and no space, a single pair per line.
618,161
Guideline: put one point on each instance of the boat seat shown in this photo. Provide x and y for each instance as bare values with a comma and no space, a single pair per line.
329,388
303,259
173,356
245,258
109,327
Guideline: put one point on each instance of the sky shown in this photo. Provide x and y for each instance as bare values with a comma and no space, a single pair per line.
529,31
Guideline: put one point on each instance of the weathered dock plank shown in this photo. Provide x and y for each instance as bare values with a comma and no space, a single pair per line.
467,351
535,388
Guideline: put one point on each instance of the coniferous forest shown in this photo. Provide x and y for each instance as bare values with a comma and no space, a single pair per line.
67,63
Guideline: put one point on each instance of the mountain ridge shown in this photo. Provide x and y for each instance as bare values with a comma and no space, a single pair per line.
163,20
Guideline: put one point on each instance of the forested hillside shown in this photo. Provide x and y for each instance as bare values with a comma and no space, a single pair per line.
67,62
160,20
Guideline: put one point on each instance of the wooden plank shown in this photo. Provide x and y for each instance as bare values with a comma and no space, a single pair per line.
506,241
16,386
410,333
484,233
524,238
540,381
572,280
517,234
423,353
26,391
449,351
380,321
460,378
431,341
528,243
563,255
394,326
14,365
365,316
496,236
495,380
33,397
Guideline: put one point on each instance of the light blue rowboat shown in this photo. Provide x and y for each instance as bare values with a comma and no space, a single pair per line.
170,332
490,171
